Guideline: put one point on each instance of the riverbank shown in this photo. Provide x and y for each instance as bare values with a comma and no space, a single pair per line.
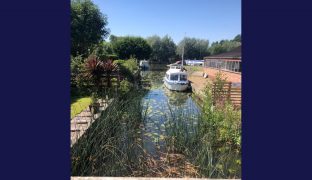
197,80
156,132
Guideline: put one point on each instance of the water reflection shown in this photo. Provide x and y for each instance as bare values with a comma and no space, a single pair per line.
160,105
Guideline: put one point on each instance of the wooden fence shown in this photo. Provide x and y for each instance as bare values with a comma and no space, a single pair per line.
226,91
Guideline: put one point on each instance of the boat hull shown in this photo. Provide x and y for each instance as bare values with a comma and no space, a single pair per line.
175,86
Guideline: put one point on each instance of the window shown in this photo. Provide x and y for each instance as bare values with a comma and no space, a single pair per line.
227,65
174,77
236,69
183,77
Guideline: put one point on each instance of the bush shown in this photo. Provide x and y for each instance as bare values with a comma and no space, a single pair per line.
220,129
131,65
119,62
214,143
125,86
76,68
127,68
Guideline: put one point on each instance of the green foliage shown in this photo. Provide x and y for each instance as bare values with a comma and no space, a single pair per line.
129,46
119,62
104,50
221,130
238,38
193,48
214,144
131,64
225,45
79,105
76,68
87,27
191,69
110,146
163,49
125,86
127,68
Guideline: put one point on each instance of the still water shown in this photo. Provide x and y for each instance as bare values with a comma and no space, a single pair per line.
161,105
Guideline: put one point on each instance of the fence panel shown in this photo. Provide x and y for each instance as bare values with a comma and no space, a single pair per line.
226,91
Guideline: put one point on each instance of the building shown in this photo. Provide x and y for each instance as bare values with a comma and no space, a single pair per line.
229,63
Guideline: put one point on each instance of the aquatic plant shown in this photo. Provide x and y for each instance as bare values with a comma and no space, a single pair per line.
181,142
111,146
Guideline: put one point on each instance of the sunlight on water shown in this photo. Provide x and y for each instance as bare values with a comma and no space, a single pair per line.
159,105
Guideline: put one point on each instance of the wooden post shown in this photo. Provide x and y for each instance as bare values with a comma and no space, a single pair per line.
229,90
214,92
118,80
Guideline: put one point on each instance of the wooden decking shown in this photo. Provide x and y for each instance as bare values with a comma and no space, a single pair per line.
231,91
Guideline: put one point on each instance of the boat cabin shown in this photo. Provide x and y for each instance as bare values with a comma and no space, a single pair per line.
176,76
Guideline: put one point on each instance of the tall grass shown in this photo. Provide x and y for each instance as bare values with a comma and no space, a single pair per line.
111,147
194,144
213,144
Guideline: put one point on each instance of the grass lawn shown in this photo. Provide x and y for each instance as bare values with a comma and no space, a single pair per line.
193,68
78,105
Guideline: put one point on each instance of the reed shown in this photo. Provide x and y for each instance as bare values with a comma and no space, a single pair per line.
194,144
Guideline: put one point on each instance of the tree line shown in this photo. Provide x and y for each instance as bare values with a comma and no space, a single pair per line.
89,31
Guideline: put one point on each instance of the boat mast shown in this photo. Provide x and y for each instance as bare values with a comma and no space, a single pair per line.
183,54
183,50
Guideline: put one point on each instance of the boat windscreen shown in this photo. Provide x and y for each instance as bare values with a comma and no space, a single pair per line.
174,77
183,77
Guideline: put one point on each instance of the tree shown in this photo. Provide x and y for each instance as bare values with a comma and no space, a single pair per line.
76,68
112,38
104,50
217,48
225,45
163,49
193,48
129,46
87,27
238,38
155,43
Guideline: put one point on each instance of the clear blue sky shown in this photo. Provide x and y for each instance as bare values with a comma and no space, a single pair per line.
208,19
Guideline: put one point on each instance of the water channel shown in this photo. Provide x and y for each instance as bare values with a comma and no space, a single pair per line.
161,105
159,133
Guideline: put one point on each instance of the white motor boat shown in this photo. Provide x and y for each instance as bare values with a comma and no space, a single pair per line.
144,64
176,78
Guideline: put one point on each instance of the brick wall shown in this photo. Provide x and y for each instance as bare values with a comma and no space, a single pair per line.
232,77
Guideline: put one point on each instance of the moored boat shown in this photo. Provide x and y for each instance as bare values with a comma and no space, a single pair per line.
176,78
144,64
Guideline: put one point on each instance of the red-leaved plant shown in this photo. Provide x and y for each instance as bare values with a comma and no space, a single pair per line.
96,69
109,68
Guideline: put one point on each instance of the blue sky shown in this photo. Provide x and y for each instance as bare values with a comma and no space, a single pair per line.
208,19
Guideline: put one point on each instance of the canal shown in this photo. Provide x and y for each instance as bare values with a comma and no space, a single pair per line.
161,108
160,133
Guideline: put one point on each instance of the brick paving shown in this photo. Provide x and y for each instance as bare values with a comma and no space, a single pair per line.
81,122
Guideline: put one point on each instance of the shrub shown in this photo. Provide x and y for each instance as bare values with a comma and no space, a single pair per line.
76,67
127,68
119,62
131,65
125,86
